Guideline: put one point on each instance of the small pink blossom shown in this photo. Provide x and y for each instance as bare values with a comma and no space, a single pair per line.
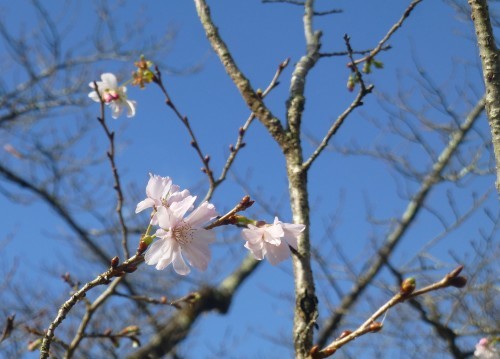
486,350
181,237
113,95
272,240
160,191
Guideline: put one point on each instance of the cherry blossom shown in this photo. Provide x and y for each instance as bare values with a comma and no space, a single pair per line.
160,191
486,350
272,241
113,95
182,238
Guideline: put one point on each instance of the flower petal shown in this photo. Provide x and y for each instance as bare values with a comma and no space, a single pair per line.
142,205
109,80
198,254
276,254
179,265
201,215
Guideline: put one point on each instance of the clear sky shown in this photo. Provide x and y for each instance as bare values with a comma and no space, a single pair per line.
261,36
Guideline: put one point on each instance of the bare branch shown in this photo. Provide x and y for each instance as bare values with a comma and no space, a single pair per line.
490,58
410,213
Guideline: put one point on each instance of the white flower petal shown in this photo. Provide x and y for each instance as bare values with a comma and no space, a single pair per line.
179,209
198,255
205,212
142,205
109,80
276,254
179,265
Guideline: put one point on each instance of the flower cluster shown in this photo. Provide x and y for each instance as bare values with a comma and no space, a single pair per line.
180,238
113,95
272,241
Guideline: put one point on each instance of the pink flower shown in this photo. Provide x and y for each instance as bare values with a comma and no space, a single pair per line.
486,350
160,191
272,240
113,95
182,237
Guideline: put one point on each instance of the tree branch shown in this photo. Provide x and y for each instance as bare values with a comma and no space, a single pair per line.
490,59
412,209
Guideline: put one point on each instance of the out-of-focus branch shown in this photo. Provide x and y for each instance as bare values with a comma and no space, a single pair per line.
490,59
178,327
128,266
91,309
412,209
252,99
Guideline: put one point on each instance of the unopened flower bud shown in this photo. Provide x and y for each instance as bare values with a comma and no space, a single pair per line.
206,158
375,327
131,329
231,148
115,261
345,333
408,286
241,131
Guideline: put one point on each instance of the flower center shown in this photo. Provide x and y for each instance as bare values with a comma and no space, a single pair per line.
110,95
183,233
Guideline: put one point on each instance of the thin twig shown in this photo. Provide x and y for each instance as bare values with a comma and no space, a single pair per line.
358,101
127,266
412,209
451,279
239,141
205,159
117,186
387,36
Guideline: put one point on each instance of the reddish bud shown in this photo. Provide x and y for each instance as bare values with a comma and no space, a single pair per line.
241,131
115,261
314,350
345,333
163,300
375,327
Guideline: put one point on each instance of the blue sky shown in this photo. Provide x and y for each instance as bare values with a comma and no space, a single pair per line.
261,36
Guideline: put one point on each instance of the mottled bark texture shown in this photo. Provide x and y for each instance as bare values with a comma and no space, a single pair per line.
490,59
289,141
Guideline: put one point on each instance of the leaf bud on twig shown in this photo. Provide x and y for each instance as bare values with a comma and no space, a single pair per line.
408,286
